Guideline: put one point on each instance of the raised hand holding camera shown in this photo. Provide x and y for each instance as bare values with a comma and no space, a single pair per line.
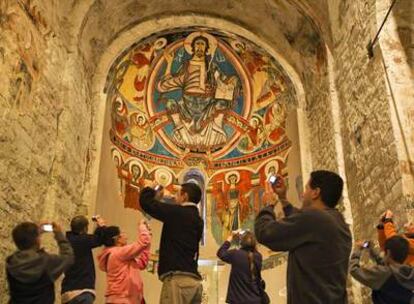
98,220
388,215
233,235
144,223
279,187
56,227
46,227
363,244
366,244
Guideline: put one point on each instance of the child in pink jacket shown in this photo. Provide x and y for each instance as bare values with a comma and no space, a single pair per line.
122,264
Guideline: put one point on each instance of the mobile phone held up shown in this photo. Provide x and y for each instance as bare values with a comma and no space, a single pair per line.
158,188
47,228
241,232
95,218
366,244
272,179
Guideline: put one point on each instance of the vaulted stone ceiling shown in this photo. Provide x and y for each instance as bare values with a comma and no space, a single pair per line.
294,28
289,29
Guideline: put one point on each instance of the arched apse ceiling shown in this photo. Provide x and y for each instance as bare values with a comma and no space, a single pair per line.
295,28
292,32
195,95
295,33
201,98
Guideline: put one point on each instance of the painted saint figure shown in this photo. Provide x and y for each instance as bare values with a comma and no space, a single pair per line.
141,132
207,93
254,137
275,120
135,182
236,211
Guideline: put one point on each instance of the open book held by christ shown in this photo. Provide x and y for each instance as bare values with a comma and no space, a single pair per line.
225,90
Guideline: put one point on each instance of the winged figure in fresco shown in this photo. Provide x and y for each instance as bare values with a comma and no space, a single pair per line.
232,205
140,131
207,94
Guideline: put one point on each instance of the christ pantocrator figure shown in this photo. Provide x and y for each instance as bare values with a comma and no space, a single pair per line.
207,94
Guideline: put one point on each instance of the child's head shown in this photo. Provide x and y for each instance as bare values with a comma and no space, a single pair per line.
79,224
114,237
396,248
26,235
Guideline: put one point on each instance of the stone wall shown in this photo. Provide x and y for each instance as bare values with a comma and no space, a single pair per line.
320,124
370,154
371,159
404,15
395,54
48,120
45,122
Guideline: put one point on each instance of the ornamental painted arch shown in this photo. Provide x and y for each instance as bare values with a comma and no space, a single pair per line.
202,100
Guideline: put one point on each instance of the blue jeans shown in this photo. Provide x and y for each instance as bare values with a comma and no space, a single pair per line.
83,298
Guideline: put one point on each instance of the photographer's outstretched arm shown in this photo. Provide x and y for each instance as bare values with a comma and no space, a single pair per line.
59,263
381,236
224,254
288,208
156,209
284,235
96,239
141,246
280,189
375,255
386,228
373,277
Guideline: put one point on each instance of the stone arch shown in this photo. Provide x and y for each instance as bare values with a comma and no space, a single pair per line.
141,30
149,27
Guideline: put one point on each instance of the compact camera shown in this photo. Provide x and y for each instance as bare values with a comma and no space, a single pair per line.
158,188
47,228
272,179
366,244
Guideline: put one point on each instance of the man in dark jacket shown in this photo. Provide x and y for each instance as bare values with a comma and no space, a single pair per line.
179,245
390,280
31,271
78,285
317,238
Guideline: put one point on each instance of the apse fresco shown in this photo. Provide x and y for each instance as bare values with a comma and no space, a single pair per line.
203,103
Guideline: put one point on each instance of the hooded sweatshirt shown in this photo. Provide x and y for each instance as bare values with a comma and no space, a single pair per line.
390,284
31,272
122,265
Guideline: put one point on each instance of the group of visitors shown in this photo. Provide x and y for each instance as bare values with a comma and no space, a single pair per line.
31,271
316,236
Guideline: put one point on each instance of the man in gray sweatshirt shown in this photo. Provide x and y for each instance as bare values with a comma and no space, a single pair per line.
390,280
317,238
31,271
